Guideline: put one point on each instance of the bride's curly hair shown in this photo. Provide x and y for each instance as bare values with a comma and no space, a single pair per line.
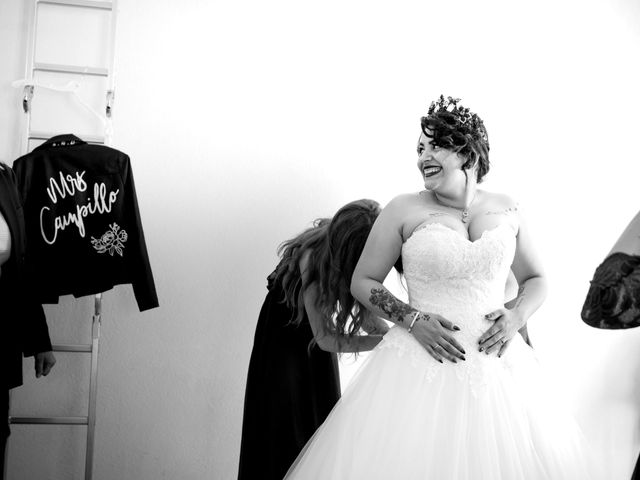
334,247
454,127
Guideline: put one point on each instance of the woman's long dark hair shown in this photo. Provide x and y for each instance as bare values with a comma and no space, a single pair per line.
334,247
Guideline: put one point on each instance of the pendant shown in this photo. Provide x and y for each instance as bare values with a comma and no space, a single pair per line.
465,214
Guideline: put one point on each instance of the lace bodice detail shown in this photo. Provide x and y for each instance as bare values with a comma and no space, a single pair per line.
449,274
461,280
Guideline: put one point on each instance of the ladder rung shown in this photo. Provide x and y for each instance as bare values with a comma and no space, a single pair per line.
71,348
48,420
48,135
62,68
107,5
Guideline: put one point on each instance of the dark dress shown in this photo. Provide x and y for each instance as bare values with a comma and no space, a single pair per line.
613,301
290,391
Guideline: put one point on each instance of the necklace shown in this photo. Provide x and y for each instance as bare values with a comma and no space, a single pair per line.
464,210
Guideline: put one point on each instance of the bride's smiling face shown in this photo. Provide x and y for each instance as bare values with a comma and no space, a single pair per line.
440,168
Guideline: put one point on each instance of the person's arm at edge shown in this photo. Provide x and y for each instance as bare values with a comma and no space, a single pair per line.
326,340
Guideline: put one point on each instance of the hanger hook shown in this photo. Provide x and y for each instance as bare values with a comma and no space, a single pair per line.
110,98
26,98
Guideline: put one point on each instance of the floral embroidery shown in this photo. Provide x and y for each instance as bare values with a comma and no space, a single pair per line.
111,241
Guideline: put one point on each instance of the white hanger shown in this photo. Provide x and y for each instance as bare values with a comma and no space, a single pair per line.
71,87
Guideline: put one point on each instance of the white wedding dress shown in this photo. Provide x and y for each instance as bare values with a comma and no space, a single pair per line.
406,416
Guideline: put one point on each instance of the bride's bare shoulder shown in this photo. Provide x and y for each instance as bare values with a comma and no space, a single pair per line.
499,202
400,208
405,200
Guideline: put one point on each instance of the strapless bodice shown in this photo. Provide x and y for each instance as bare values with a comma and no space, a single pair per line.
455,277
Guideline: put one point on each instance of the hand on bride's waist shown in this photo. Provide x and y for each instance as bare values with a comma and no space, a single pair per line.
506,325
374,325
435,334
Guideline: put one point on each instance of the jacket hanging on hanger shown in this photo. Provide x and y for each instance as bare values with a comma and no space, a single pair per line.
84,231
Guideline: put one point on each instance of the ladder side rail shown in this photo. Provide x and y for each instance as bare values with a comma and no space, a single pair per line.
28,73
93,386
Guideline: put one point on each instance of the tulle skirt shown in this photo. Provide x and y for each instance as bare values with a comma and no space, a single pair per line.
407,416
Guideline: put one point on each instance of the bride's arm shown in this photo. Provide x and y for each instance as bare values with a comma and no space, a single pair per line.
532,291
381,251
510,297
527,268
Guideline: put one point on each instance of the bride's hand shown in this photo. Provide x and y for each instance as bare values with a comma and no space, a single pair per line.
506,326
433,333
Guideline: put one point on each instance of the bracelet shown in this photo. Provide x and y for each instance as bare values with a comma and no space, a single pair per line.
415,317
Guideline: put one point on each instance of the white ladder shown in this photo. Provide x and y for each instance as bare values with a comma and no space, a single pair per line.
65,71
57,74
90,419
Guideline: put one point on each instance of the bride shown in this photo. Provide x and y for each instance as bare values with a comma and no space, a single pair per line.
452,391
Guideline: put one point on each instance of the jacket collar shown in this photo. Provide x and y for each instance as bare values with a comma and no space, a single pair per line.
66,140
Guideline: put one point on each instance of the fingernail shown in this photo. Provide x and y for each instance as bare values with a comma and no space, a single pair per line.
480,349
455,327
440,361
487,315
464,359
463,351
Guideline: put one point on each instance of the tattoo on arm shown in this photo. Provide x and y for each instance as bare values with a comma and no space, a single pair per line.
387,303
439,214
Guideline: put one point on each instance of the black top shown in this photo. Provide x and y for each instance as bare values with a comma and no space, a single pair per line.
291,388
613,300
23,329
83,226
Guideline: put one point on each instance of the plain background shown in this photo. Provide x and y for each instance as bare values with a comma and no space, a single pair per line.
245,120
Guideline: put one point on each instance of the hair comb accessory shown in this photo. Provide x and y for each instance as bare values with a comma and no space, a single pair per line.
465,119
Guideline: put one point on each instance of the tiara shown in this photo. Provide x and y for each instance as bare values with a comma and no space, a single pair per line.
468,121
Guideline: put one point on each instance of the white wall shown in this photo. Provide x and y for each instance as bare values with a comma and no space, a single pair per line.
245,120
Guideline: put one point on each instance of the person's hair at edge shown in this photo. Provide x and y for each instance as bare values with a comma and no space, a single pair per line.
335,246
456,128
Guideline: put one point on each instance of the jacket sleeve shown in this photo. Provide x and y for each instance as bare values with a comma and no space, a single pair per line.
35,333
142,281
